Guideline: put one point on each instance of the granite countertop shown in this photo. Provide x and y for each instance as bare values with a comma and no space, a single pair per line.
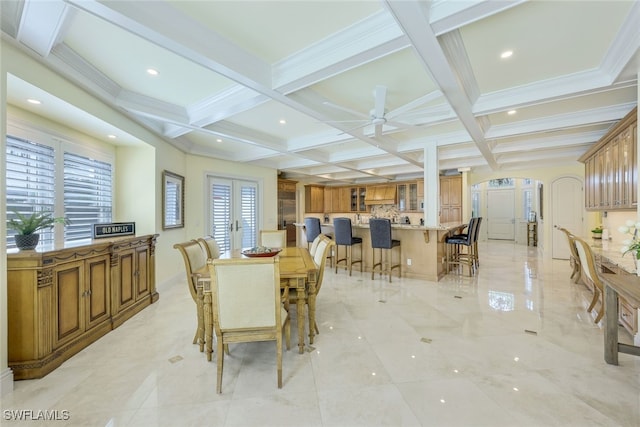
612,253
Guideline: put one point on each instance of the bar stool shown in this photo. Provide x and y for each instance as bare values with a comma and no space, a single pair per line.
380,229
312,229
343,236
456,242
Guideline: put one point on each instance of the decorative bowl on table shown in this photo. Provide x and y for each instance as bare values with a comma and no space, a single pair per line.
261,251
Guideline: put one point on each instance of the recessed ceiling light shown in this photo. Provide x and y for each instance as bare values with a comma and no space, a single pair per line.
511,112
282,122
506,54
152,72
33,101
218,140
111,136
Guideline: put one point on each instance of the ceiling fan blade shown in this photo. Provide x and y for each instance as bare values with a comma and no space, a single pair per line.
414,104
380,97
345,109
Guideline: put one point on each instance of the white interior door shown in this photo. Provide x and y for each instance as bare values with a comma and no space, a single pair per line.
233,217
566,211
501,214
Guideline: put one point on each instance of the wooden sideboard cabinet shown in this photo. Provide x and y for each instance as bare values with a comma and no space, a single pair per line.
59,301
611,172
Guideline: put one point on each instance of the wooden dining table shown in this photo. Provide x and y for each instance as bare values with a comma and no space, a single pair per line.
298,272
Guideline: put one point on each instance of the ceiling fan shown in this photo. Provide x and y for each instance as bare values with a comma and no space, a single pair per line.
379,116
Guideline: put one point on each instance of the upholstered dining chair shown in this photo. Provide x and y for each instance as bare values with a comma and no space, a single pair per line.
574,258
590,276
243,304
210,246
195,263
273,238
454,244
323,250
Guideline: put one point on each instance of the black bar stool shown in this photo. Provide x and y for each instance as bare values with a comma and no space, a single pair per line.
380,229
343,236
454,244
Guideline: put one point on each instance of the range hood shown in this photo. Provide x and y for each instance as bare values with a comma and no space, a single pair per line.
380,195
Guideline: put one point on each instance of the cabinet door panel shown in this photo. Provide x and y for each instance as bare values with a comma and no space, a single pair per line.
142,271
127,278
68,279
98,298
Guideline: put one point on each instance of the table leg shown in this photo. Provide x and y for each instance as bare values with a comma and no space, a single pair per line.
208,324
312,311
610,325
300,310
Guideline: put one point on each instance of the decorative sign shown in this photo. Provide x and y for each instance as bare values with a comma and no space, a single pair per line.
114,229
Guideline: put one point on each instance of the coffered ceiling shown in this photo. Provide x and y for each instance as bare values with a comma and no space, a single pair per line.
344,91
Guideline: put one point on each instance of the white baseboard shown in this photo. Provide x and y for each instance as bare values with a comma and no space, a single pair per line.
6,382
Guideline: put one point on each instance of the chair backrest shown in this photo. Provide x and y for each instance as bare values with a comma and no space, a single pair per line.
195,259
320,258
476,232
572,243
588,263
245,293
380,229
315,243
312,228
466,239
210,246
273,238
342,231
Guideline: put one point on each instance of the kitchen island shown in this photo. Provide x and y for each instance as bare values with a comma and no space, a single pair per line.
423,247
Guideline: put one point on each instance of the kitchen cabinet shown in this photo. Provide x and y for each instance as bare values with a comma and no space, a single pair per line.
407,197
314,199
450,198
357,197
59,301
611,172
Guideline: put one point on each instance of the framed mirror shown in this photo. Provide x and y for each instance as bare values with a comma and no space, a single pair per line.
172,200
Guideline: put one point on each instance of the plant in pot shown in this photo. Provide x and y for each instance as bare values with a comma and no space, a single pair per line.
27,225
597,232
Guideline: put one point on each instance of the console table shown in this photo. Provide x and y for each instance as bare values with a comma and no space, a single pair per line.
628,287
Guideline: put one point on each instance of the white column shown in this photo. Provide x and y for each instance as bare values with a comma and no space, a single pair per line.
466,194
431,186
6,375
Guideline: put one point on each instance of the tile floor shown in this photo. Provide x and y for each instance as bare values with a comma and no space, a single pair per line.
510,347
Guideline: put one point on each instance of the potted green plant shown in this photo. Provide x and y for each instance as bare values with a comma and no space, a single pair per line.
597,232
26,227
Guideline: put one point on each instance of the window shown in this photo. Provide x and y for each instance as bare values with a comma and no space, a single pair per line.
30,182
82,192
87,195
527,200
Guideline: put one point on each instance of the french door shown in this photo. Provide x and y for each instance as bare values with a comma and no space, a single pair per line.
233,213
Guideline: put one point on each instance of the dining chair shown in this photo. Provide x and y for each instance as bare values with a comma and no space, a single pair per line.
243,304
343,234
574,258
590,276
273,238
323,250
195,263
210,246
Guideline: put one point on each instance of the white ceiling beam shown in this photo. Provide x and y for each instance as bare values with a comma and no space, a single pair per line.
448,15
41,23
413,19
